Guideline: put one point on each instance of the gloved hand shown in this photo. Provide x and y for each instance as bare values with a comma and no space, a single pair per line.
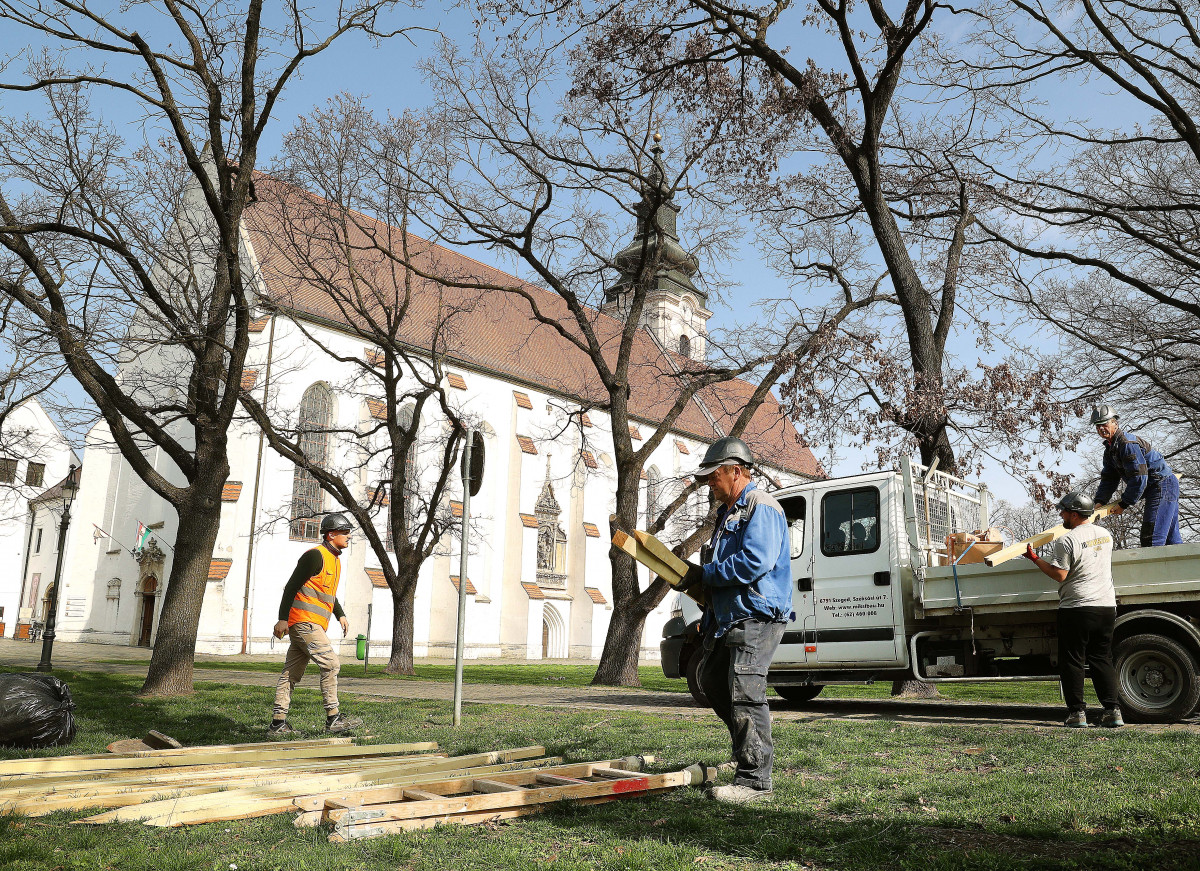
694,577
1029,554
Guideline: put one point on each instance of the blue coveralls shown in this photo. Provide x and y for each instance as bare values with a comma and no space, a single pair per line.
1128,456
749,582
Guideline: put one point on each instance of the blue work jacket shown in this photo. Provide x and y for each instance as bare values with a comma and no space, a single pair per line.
1128,456
750,573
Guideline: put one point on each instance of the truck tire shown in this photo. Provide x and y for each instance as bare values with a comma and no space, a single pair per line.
1157,679
799,694
694,655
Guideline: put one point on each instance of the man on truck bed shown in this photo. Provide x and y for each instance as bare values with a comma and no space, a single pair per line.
1081,564
747,576
309,600
1130,457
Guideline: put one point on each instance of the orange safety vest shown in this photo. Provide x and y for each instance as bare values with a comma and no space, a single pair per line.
314,601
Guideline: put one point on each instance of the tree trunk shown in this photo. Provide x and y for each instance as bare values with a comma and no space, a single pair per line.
403,598
623,641
914,689
170,671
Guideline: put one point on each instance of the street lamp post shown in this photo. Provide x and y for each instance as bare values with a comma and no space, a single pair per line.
68,491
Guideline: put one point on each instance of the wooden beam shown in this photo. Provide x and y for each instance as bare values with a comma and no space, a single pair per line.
657,557
1040,539
171,758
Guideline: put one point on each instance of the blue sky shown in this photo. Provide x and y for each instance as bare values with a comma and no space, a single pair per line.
384,75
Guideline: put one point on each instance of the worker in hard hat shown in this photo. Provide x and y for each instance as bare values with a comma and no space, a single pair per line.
1081,564
309,600
746,573
1129,457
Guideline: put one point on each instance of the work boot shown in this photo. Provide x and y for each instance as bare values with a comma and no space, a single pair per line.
739,793
281,729
1077,720
337,723
1112,719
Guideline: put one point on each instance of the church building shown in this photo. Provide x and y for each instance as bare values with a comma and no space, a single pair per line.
538,580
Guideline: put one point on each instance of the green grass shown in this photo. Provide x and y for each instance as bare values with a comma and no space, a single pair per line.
652,678
850,795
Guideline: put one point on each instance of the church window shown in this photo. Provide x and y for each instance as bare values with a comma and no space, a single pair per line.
654,490
35,474
316,417
8,470
685,345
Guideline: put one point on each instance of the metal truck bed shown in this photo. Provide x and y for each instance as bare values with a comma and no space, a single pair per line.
1151,574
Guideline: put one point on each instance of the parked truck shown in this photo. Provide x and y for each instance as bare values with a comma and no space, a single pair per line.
872,603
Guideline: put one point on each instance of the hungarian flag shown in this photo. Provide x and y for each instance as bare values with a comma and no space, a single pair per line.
143,535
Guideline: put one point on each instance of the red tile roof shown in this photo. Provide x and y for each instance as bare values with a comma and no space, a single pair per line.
231,491
471,591
595,595
529,521
377,409
377,578
589,460
522,399
491,331
527,445
636,434
683,449
259,324
218,569
249,378
455,509
533,590
591,530
585,420
456,381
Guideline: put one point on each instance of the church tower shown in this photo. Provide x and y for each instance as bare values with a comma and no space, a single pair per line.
675,309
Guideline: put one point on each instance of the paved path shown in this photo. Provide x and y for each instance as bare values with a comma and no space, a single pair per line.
133,660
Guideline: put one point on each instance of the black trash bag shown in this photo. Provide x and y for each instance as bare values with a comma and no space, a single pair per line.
35,711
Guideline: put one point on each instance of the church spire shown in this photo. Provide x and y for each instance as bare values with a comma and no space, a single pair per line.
674,309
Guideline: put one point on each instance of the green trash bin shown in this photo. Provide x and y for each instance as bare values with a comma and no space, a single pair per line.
362,646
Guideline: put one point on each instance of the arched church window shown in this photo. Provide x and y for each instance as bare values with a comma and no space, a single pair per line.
654,491
685,345
312,428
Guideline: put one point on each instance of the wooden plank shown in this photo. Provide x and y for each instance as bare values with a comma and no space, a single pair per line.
280,797
664,554
168,758
415,795
483,785
345,833
394,791
1040,539
558,780
630,545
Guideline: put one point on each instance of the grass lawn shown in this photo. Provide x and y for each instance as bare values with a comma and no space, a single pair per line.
562,674
849,795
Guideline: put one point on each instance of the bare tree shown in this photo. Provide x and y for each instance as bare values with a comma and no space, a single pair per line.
341,256
1102,228
129,254
557,197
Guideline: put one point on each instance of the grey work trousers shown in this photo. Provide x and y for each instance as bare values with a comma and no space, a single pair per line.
308,642
733,674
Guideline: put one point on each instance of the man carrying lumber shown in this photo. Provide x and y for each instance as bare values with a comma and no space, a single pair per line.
747,575
1081,564
1130,457
309,600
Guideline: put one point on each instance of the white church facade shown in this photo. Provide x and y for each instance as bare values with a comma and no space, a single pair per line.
538,577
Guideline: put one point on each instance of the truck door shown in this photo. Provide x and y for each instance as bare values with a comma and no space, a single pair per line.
792,647
853,582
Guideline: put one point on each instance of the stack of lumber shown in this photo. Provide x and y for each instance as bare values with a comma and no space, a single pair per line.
320,778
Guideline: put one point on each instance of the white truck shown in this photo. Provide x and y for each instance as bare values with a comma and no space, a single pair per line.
870,604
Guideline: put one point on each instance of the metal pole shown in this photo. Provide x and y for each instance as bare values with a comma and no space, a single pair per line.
52,618
367,652
462,582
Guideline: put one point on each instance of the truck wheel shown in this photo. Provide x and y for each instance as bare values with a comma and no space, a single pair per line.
799,694
1157,679
695,654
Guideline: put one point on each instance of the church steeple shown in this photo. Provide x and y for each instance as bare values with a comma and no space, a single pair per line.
674,309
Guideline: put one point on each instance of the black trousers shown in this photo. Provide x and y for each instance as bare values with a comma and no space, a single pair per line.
733,674
1085,637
